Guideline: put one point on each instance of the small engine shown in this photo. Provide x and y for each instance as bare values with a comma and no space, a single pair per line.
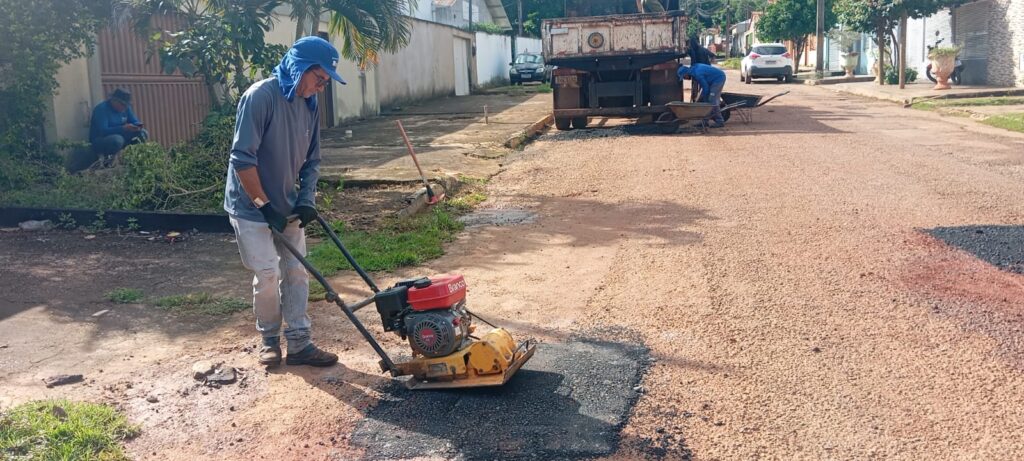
430,312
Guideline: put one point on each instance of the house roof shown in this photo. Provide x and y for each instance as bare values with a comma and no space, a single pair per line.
498,15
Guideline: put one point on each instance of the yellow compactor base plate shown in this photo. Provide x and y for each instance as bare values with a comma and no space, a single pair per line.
489,361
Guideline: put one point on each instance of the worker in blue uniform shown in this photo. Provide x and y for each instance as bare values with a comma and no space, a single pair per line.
711,80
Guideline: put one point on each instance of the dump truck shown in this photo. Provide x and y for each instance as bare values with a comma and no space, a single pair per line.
613,60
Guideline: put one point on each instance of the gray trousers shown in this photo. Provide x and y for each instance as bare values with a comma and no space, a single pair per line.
280,287
713,95
112,144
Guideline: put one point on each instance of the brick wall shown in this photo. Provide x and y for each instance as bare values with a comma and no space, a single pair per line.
1006,43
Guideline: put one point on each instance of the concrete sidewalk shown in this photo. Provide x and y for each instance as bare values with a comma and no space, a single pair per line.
919,91
451,137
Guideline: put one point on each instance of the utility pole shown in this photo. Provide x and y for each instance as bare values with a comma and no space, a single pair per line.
519,15
903,50
819,62
470,15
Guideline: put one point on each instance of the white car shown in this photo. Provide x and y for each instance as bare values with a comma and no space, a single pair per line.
767,60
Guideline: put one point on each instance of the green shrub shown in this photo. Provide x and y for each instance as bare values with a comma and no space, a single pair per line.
892,75
941,51
187,177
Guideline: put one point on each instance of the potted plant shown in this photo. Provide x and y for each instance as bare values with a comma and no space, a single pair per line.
943,61
847,41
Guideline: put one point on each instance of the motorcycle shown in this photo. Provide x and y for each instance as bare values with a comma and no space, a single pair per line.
958,66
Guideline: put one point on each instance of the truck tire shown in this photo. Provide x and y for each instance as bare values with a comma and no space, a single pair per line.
579,122
563,123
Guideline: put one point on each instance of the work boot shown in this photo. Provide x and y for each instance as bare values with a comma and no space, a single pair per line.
312,356
270,353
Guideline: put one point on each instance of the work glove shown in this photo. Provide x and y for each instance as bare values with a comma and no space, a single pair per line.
306,214
275,220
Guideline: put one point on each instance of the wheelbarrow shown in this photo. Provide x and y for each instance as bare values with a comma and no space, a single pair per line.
744,104
669,122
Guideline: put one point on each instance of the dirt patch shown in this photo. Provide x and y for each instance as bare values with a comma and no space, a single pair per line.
966,276
364,208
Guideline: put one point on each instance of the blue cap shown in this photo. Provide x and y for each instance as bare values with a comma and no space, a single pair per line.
683,70
318,51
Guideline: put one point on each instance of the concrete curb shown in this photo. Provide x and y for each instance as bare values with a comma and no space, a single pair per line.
447,184
523,137
908,101
834,80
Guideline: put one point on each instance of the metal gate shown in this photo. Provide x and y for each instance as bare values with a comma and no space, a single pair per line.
172,107
971,28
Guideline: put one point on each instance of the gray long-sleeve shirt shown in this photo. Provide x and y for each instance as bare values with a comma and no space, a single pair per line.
282,140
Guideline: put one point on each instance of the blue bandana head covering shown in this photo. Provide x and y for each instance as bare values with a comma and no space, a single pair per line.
305,53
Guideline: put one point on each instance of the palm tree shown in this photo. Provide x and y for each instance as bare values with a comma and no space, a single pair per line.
366,27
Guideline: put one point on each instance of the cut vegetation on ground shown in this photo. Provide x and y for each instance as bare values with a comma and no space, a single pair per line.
63,430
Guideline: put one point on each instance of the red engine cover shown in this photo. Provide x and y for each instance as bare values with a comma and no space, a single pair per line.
443,292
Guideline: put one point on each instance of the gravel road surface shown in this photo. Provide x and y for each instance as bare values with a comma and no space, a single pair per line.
812,285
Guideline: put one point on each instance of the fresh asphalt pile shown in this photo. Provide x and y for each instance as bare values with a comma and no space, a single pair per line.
1000,246
568,402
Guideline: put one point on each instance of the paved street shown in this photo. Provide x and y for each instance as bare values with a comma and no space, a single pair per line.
784,275
840,279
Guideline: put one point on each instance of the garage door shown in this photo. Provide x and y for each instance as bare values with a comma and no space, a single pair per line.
972,34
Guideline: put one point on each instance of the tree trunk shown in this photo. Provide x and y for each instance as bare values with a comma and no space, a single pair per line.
300,26
798,52
903,50
880,43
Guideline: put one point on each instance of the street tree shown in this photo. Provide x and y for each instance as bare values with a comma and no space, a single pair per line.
221,41
38,38
881,18
793,21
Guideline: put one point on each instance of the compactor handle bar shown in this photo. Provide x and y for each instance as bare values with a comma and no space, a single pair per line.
349,310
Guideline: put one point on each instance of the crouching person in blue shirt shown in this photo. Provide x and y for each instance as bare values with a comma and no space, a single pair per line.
272,172
114,125
711,80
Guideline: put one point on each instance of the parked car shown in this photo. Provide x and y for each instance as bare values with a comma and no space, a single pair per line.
529,67
767,60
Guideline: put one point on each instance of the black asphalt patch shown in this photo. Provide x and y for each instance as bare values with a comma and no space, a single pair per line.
568,402
1001,246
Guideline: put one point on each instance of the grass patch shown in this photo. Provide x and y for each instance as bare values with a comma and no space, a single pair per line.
1014,122
63,430
731,63
933,104
544,88
466,202
398,243
201,303
124,295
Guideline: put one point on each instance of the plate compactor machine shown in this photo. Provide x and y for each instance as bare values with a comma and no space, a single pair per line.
431,313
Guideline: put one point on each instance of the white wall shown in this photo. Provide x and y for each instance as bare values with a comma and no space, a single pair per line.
357,99
68,118
493,53
528,44
423,69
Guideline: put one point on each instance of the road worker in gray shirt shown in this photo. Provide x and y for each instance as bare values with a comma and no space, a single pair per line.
272,173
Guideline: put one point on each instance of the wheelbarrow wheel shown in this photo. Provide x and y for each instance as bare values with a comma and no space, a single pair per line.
667,123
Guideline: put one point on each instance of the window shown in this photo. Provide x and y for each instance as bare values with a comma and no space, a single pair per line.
529,59
769,50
